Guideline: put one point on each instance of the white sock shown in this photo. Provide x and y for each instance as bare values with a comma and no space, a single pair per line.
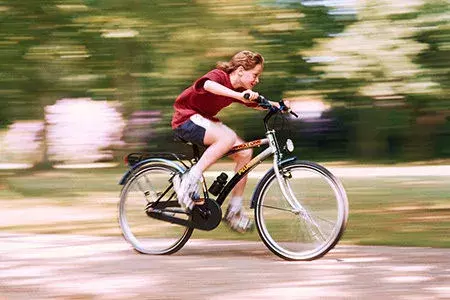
235,204
195,173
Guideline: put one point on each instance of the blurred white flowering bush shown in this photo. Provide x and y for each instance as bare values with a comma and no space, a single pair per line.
78,131
81,130
21,142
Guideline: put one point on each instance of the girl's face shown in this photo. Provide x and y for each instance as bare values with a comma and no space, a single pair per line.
250,78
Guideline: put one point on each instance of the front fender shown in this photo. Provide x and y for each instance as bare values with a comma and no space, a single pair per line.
130,171
271,171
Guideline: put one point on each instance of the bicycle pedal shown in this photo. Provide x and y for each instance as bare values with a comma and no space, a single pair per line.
199,201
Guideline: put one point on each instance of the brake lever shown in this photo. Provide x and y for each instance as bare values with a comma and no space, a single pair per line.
283,108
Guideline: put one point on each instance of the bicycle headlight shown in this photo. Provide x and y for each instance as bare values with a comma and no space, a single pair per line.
289,145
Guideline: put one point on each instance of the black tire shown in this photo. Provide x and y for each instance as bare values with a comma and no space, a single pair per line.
311,230
149,235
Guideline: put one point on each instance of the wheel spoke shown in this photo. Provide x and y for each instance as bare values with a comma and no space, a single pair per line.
325,220
279,208
314,229
154,203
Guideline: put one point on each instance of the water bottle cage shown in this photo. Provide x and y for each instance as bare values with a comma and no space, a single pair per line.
218,184
215,188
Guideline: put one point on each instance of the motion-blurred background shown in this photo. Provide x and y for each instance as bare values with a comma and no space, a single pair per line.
86,81
370,78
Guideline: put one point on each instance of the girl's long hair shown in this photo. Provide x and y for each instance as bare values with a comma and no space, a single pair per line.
247,59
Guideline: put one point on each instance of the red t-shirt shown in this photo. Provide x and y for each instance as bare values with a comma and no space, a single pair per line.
196,100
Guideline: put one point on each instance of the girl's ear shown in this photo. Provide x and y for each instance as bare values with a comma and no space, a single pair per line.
240,70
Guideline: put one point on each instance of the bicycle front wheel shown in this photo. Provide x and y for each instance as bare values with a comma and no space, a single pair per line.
151,188
308,224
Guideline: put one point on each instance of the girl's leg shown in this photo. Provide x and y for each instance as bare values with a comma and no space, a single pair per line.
235,216
241,158
219,139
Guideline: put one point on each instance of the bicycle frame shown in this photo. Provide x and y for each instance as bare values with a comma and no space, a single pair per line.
272,149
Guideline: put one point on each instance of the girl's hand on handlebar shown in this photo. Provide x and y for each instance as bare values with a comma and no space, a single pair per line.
285,107
287,104
249,96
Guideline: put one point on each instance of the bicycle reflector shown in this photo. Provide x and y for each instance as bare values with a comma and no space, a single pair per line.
289,145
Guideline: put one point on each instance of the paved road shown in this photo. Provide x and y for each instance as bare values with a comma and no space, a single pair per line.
87,267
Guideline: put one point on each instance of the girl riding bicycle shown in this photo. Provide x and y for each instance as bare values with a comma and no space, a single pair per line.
194,121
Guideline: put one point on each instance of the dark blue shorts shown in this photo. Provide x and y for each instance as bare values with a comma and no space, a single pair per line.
190,132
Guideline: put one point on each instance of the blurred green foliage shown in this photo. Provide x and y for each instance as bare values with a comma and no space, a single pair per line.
385,70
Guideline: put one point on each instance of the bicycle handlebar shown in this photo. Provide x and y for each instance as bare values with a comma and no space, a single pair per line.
264,103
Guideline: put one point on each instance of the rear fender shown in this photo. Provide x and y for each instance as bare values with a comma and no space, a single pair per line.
135,167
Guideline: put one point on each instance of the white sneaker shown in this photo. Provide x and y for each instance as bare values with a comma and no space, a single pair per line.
186,188
238,221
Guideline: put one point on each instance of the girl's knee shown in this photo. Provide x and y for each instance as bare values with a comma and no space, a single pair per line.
232,136
246,154
229,136
249,153
220,134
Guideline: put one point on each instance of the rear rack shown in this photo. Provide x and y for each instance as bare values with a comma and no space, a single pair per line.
133,158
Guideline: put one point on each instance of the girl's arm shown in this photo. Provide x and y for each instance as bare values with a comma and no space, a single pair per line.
218,89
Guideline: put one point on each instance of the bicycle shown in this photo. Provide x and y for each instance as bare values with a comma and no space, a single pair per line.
300,208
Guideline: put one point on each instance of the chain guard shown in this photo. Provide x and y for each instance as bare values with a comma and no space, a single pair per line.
203,220
209,222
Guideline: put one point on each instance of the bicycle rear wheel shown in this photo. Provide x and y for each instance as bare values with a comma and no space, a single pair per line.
309,226
139,196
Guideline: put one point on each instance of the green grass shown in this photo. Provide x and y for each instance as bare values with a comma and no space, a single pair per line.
61,183
412,211
405,211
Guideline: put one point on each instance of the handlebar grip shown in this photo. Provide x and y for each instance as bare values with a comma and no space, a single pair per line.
264,103
258,100
293,113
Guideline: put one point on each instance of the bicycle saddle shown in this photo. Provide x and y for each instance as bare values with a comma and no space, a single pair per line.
178,139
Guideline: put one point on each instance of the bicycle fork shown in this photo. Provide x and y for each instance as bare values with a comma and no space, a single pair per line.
287,192
275,149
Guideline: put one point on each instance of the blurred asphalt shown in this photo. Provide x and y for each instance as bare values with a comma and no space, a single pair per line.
87,267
